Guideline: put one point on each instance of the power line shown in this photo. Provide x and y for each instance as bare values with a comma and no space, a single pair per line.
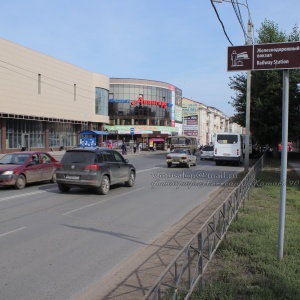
68,84
46,83
237,11
211,1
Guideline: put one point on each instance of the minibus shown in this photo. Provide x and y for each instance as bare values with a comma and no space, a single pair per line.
228,147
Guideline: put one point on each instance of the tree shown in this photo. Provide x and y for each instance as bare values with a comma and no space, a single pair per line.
266,94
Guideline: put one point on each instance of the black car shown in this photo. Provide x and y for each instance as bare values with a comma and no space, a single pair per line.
95,168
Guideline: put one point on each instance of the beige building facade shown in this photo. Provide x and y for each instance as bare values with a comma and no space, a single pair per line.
46,102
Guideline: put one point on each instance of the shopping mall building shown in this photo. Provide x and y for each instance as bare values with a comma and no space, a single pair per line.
49,104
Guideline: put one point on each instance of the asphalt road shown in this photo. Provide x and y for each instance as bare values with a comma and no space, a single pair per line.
55,245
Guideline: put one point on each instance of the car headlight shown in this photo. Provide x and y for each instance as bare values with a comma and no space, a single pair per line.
10,172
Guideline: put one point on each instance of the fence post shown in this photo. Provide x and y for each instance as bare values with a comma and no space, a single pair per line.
200,264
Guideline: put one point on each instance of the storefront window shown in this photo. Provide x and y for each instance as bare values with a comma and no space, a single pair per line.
24,133
61,134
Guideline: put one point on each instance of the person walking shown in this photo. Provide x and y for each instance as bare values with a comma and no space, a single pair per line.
140,147
134,147
124,150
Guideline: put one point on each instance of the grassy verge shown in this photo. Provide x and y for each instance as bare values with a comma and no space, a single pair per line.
246,264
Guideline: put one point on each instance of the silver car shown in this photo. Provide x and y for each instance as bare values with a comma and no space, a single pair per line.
181,156
207,152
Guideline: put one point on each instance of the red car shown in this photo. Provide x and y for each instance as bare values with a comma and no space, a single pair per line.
19,168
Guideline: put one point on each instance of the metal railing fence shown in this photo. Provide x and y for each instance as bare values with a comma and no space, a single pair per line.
186,271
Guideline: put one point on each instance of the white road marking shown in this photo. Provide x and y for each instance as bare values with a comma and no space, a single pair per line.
102,201
40,192
3,234
148,169
26,194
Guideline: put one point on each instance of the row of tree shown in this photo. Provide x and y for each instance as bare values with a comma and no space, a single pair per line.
266,94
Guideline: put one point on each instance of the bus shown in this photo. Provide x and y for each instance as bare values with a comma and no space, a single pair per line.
228,147
183,141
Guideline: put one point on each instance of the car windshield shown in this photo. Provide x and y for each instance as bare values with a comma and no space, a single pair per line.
179,150
78,157
14,159
208,148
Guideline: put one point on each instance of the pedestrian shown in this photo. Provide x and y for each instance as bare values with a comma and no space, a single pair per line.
134,147
124,150
109,145
140,147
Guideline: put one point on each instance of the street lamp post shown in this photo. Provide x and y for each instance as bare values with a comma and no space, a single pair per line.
248,92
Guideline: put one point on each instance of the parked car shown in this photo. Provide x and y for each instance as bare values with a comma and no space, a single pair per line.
19,168
207,152
94,168
181,156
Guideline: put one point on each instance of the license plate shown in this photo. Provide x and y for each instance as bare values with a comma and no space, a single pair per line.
226,154
72,177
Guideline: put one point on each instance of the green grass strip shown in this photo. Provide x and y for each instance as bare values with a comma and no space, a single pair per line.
246,264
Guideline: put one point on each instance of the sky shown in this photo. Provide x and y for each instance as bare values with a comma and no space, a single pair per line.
178,42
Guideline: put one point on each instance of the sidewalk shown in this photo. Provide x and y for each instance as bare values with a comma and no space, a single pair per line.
295,165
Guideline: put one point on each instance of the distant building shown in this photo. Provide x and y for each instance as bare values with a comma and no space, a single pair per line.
204,121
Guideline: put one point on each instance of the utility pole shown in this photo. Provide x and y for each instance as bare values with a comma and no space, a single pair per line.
248,100
248,95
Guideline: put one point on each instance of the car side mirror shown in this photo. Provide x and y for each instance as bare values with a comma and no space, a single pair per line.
126,161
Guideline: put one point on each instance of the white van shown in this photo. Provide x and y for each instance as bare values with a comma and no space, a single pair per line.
228,147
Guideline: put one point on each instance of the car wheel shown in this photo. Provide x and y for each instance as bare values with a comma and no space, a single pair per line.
104,187
20,182
53,179
131,180
63,188
169,165
188,164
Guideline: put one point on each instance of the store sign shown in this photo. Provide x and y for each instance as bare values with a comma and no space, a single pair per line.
118,100
113,131
191,132
264,57
142,101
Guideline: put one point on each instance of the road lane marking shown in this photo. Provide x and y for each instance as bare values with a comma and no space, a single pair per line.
102,201
26,194
140,171
9,232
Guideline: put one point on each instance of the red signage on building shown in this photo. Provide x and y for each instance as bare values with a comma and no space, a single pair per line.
142,101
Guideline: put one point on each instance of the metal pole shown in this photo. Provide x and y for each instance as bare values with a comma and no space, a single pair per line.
285,122
248,95
248,99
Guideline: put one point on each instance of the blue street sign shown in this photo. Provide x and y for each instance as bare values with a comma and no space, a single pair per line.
131,130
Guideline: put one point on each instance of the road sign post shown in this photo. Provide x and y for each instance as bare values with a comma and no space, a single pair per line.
275,56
